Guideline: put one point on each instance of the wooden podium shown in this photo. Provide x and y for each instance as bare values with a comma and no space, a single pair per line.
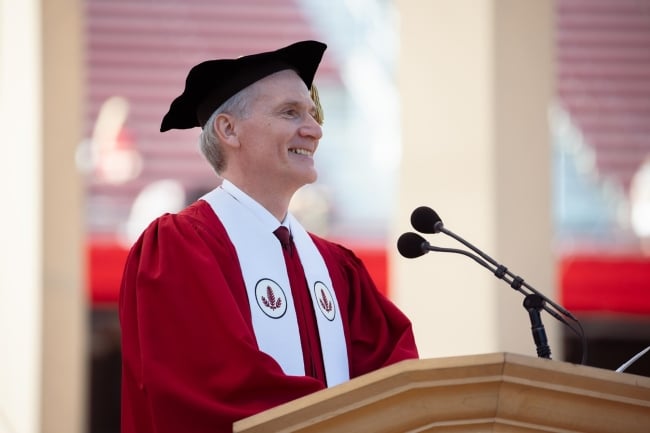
499,392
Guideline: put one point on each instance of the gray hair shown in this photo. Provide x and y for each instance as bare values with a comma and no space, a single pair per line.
237,105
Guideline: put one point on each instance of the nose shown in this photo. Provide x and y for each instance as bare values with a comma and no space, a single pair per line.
311,128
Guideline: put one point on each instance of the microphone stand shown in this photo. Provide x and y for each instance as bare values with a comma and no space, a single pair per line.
516,282
534,303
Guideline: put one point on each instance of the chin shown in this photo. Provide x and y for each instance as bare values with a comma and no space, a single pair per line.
307,180
308,176
312,179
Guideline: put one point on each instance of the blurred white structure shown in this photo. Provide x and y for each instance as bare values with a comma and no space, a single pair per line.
640,204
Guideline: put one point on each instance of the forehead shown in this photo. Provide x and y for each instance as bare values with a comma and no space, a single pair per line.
285,84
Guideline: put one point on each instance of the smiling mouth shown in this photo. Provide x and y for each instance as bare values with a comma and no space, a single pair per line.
301,152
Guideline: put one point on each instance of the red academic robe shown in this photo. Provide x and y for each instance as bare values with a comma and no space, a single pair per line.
190,359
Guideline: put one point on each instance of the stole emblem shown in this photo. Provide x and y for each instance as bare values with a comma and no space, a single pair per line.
325,300
271,298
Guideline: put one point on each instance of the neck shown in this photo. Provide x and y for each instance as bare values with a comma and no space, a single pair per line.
276,202
276,206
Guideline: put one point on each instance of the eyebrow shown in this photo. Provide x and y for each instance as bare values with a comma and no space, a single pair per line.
311,107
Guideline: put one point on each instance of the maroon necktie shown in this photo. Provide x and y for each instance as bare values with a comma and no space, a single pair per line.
282,233
312,355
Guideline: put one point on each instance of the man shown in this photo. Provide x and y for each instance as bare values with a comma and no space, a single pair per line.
222,317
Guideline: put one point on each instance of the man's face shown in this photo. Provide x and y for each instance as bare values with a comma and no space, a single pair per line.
280,135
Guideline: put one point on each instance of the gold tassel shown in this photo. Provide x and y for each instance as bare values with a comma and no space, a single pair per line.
320,116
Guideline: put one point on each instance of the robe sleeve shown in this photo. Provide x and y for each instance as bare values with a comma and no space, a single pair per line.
379,334
190,360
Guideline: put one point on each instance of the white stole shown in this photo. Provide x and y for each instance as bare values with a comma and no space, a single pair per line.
250,228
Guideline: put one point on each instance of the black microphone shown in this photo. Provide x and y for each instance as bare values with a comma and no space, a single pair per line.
426,220
411,245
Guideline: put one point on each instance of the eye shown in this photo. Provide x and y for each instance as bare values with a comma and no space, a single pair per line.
290,112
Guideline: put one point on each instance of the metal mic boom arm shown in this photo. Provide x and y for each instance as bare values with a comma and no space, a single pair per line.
516,282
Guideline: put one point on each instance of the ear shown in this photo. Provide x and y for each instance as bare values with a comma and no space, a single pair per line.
224,128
